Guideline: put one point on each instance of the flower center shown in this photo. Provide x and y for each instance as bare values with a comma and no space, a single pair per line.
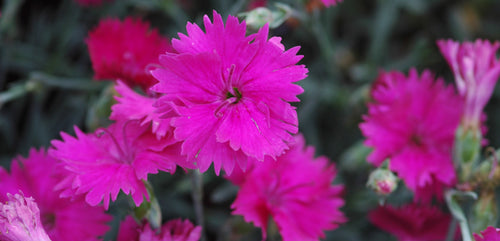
235,93
48,221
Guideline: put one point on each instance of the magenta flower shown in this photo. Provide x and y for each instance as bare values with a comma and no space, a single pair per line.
231,93
119,157
296,191
124,50
36,176
412,121
489,234
329,3
173,230
20,220
412,222
476,71
133,106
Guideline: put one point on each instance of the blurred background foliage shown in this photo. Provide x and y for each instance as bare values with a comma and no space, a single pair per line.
46,83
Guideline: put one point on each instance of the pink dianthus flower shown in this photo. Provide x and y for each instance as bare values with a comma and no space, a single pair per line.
296,191
124,50
116,158
412,121
412,222
173,230
489,234
476,69
20,220
231,93
36,176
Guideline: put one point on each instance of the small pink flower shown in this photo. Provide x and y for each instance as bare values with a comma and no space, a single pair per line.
20,220
124,50
412,222
174,230
412,122
489,234
231,92
36,176
329,3
296,191
116,158
476,69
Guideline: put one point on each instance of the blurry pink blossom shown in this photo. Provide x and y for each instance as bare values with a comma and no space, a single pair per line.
489,234
412,122
329,3
173,230
476,69
295,190
412,222
36,176
125,50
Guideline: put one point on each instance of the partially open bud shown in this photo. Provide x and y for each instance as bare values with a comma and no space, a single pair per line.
382,181
485,212
258,17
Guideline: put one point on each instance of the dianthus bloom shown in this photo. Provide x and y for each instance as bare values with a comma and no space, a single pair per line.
20,220
412,121
119,157
296,191
124,50
489,234
412,222
231,93
174,230
476,69
36,176
329,3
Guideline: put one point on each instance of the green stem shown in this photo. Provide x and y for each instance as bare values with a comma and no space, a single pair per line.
9,13
197,193
65,83
450,236
17,91
458,213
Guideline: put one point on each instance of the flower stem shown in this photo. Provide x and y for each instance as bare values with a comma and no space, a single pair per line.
197,193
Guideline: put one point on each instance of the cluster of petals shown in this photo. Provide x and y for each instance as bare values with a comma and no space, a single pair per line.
295,190
125,50
173,230
476,69
412,121
115,158
489,234
134,106
20,220
412,222
36,176
231,93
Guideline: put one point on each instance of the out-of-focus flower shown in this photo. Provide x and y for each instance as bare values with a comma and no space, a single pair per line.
231,92
476,69
412,222
133,106
412,121
36,176
20,220
296,191
125,50
489,234
119,157
174,230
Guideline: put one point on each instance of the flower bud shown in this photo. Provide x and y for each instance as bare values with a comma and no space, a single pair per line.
382,181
